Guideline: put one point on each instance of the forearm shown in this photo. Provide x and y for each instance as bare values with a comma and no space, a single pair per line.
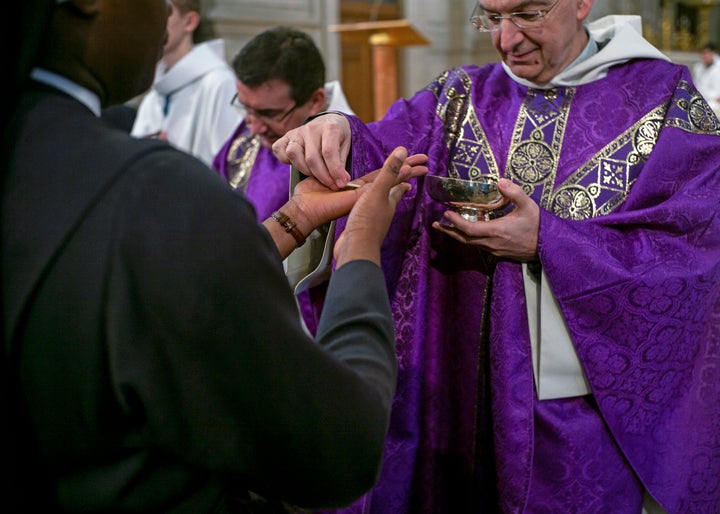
288,228
360,331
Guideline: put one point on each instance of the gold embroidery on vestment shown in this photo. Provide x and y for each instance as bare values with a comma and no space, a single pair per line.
698,116
598,186
609,173
532,162
241,159
464,136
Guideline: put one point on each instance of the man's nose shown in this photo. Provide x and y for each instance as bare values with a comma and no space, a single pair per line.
256,124
510,35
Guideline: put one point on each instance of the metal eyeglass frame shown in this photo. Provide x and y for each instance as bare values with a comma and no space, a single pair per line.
492,23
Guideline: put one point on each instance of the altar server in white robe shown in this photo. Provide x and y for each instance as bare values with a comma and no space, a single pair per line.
189,102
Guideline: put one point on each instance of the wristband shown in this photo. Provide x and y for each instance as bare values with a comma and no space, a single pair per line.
290,226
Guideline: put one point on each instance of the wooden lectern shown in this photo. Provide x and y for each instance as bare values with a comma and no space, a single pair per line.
383,37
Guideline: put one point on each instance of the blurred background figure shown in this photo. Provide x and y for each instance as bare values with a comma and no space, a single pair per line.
188,102
706,75
139,371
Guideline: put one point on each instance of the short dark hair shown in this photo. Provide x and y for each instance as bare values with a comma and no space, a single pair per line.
710,45
282,53
187,5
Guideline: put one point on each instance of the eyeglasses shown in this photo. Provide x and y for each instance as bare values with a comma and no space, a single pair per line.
270,115
490,22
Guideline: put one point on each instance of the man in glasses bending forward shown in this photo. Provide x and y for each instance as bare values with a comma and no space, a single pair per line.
280,83
557,358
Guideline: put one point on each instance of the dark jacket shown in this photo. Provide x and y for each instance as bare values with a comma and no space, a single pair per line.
158,343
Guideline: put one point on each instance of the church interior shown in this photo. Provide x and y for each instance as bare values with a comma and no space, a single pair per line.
424,37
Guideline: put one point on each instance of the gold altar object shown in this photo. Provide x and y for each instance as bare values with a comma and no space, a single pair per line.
703,8
685,24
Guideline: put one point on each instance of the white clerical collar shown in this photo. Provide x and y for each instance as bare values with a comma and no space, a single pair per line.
64,84
590,49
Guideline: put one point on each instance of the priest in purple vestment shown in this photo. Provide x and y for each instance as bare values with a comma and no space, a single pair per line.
564,357
280,83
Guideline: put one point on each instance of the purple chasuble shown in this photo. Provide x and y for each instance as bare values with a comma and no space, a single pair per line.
254,170
625,170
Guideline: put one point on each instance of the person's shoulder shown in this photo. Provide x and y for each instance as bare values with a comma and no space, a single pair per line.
653,67
466,73
216,47
140,153
219,75
696,67
212,54
176,179
120,116
172,198
474,71
158,156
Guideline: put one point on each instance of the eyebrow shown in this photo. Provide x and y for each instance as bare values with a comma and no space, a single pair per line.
263,109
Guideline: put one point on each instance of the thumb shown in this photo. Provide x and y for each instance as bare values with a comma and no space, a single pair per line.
391,168
397,192
512,192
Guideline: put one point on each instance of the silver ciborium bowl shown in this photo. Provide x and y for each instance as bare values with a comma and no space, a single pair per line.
472,199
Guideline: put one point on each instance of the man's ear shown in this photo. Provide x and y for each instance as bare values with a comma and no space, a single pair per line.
317,100
192,20
584,8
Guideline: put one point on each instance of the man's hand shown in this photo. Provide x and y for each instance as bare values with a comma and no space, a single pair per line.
370,218
513,236
319,149
313,204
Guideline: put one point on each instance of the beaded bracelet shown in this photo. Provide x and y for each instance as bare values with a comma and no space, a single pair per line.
290,226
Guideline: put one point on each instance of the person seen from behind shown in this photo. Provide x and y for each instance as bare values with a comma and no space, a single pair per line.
154,360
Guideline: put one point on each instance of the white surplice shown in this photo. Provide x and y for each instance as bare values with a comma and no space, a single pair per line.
191,102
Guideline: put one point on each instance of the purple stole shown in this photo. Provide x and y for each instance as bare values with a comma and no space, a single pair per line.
625,170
